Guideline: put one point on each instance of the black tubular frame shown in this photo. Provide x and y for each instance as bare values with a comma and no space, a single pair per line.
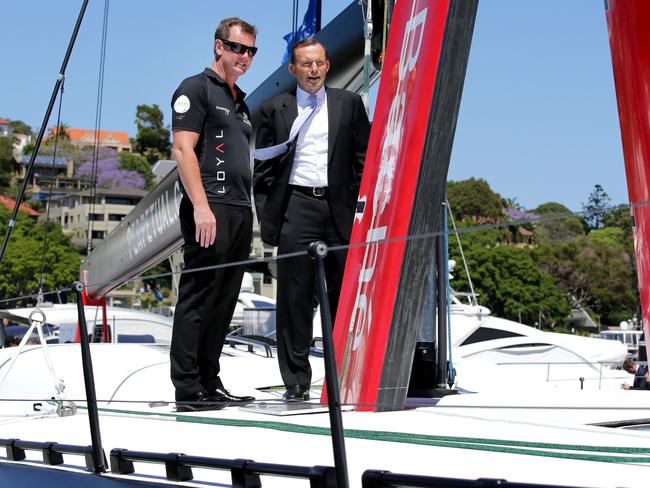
99,459
318,250
244,473
381,479
52,451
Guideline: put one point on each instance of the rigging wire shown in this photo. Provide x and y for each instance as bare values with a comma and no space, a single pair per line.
98,123
41,132
445,265
46,224
462,254
367,31
391,240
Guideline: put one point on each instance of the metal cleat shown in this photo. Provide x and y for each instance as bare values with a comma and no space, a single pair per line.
66,409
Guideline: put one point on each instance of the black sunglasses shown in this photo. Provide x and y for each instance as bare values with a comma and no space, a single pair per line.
238,48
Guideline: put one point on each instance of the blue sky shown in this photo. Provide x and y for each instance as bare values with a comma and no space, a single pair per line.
538,118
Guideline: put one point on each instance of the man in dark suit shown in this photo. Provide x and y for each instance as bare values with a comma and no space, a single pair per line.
640,373
307,192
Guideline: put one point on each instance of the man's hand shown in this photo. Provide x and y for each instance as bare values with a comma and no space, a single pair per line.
206,225
625,386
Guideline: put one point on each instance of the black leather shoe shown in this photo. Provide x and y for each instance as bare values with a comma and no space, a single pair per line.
223,396
296,394
197,402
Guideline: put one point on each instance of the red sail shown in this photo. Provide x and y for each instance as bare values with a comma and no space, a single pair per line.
629,38
386,196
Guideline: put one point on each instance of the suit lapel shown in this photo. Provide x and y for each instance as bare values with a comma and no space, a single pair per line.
333,116
289,112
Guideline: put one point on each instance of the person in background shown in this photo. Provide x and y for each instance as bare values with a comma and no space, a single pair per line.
3,333
641,375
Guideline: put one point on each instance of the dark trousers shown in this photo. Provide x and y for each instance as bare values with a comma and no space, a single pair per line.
306,220
207,298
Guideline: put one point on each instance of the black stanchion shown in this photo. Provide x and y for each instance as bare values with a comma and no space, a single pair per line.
99,460
318,250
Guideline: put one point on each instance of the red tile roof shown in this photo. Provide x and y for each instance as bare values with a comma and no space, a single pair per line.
10,203
4,121
88,135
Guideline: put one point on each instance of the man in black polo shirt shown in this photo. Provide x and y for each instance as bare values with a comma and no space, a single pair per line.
211,126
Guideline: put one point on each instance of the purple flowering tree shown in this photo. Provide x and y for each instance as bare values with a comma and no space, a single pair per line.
109,174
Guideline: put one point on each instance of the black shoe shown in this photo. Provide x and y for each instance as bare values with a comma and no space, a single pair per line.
224,397
296,394
197,402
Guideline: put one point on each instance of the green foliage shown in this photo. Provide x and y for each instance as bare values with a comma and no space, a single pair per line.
20,270
29,148
551,208
20,127
152,139
620,217
511,285
474,200
162,268
137,162
596,208
563,229
613,237
38,205
62,132
597,271
6,162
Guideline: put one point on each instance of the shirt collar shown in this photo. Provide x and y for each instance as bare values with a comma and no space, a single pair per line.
302,96
210,73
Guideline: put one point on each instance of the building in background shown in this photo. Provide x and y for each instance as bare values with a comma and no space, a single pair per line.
50,176
5,128
10,203
79,213
85,138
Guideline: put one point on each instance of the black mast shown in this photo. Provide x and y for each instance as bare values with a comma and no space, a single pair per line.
319,14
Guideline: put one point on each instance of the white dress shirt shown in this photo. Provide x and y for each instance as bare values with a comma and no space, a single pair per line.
310,162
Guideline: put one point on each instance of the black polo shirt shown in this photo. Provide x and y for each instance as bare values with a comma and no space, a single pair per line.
202,104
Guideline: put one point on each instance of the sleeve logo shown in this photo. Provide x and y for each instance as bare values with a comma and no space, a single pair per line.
182,104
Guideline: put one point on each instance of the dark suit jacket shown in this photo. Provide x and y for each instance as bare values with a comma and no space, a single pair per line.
348,131
640,383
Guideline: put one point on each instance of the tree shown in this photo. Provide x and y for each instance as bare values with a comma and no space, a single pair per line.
597,271
613,237
20,127
621,218
137,162
62,133
474,200
510,283
20,270
596,208
108,173
563,229
152,139
6,162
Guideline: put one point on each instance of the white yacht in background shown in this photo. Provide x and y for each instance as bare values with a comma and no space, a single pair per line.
491,353
630,338
125,324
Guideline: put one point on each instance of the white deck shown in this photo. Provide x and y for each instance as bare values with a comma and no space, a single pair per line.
502,435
